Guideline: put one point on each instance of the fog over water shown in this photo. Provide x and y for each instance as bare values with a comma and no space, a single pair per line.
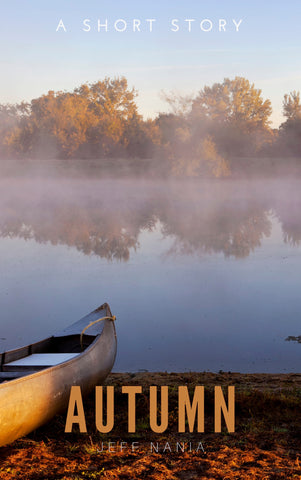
201,274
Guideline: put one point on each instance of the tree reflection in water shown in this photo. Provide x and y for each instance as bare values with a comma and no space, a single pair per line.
105,217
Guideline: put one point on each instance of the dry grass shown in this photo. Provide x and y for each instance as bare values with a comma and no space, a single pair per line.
265,445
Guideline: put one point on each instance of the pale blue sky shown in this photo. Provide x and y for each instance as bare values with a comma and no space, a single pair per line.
35,58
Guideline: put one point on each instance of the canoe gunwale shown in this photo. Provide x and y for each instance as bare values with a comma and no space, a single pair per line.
28,402
65,364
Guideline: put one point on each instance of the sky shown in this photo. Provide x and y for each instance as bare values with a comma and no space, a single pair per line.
37,57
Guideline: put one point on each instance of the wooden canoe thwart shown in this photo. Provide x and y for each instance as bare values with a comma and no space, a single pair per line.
35,380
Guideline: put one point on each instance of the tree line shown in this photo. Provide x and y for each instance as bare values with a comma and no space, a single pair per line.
213,133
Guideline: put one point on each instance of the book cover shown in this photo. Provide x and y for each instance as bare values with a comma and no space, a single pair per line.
150,166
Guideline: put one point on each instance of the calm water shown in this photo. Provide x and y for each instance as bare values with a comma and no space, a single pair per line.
201,275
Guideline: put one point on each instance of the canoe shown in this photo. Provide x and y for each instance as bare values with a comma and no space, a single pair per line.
36,379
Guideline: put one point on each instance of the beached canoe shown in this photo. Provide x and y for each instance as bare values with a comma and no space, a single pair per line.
36,379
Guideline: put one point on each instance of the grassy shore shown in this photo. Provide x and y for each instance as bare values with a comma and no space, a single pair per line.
266,443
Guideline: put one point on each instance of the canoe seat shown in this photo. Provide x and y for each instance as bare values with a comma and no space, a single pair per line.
38,360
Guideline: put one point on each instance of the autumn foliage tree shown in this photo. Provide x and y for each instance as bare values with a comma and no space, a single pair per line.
291,105
201,136
111,106
90,121
235,114
209,134
10,118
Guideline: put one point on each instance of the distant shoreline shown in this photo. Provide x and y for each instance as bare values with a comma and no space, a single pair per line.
142,168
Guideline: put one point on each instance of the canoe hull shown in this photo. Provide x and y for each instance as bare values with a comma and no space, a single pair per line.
30,401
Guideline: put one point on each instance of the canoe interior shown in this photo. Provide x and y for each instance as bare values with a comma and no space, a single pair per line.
52,348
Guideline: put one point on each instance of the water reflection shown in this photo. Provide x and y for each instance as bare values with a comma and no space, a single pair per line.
226,252
233,233
288,208
105,218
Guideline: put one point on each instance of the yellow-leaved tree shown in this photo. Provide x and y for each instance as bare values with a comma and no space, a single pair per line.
235,114
90,121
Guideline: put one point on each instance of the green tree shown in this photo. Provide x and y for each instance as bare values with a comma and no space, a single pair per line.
289,141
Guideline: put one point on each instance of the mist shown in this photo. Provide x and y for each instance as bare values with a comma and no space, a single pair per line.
195,212
105,217
222,131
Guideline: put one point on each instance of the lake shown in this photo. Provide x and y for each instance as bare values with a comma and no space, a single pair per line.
202,275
